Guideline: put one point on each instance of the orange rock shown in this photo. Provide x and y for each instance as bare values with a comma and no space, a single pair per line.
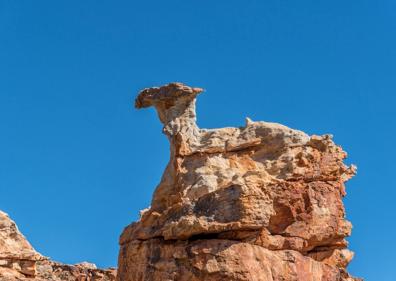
259,202
20,262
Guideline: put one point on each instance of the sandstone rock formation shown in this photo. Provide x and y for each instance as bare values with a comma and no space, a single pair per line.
20,262
262,202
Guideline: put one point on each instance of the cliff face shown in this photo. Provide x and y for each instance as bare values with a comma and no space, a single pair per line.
255,203
20,262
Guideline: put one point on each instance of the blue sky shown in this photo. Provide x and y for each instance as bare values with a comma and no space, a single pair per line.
77,161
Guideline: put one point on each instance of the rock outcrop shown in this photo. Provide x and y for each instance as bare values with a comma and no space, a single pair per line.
20,262
262,202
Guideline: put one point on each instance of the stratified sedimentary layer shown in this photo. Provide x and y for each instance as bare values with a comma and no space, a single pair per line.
259,202
20,262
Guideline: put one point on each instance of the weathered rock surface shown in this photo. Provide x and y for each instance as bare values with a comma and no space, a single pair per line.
260,202
20,262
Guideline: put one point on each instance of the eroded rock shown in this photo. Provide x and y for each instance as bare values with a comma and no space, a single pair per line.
20,262
259,202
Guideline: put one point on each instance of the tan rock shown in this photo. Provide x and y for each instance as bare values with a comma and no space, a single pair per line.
20,262
217,260
259,202
16,253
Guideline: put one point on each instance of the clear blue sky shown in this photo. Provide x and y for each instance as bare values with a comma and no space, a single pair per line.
77,161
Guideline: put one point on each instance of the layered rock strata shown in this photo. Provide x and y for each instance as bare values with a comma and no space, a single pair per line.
20,262
261,202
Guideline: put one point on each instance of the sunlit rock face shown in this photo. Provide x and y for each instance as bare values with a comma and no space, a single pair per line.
255,203
20,262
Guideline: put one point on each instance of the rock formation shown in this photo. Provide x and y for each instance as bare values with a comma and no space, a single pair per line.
262,202
20,262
